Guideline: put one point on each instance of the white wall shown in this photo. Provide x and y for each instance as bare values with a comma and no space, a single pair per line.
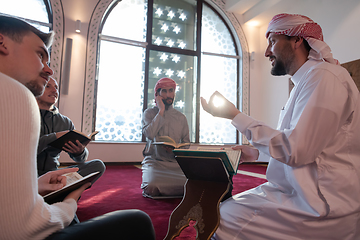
71,104
268,94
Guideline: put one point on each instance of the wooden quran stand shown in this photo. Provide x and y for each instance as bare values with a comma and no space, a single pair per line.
201,204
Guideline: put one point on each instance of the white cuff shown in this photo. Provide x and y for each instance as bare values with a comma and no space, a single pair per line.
241,121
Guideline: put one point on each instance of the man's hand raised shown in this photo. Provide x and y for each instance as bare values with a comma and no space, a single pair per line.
160,104
219,106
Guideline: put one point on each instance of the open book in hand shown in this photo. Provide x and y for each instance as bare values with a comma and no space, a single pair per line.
168,141
230,157
73,181
72,136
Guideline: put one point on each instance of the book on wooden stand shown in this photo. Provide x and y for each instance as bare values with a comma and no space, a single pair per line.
73,181
168,141
229,157
208,172
72,136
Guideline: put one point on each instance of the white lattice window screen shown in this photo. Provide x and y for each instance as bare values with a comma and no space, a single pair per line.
121,74
218,73
127,21
120,92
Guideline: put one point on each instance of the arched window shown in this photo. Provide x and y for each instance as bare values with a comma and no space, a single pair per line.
36,12
39,13
142,41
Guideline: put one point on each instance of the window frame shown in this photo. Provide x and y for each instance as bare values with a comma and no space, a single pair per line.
55,11
229,20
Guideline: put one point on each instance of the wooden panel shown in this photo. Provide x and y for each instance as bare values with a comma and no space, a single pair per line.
354,69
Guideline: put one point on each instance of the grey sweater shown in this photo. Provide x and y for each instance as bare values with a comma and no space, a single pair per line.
51,123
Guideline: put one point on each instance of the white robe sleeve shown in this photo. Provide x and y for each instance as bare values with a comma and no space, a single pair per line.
321,109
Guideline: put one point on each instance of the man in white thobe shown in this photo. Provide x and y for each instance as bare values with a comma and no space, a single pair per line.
313,187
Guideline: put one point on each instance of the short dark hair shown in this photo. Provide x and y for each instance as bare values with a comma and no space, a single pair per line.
16,29
307,46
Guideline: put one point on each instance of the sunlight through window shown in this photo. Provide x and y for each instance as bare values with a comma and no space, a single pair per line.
30,10
128,64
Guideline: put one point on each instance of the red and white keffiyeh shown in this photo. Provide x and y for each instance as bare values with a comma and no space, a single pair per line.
164,82
302,26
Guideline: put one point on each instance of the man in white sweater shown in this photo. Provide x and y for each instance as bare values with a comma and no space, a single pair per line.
24,214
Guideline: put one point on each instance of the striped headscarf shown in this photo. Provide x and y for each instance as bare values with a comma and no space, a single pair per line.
302,26
164,82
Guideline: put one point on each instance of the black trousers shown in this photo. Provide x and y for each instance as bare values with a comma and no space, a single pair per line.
122,224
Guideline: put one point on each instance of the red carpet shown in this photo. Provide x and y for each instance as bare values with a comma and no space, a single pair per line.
119,188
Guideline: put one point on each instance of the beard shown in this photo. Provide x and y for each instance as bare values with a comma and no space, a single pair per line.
36,88
279,68
168,102
283,61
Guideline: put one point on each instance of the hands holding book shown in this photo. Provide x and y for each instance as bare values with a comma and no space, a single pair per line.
72,141
52,181
75,148
169,144
55,180
248,153
77,193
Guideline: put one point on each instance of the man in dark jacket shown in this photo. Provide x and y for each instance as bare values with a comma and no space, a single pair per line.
53,126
